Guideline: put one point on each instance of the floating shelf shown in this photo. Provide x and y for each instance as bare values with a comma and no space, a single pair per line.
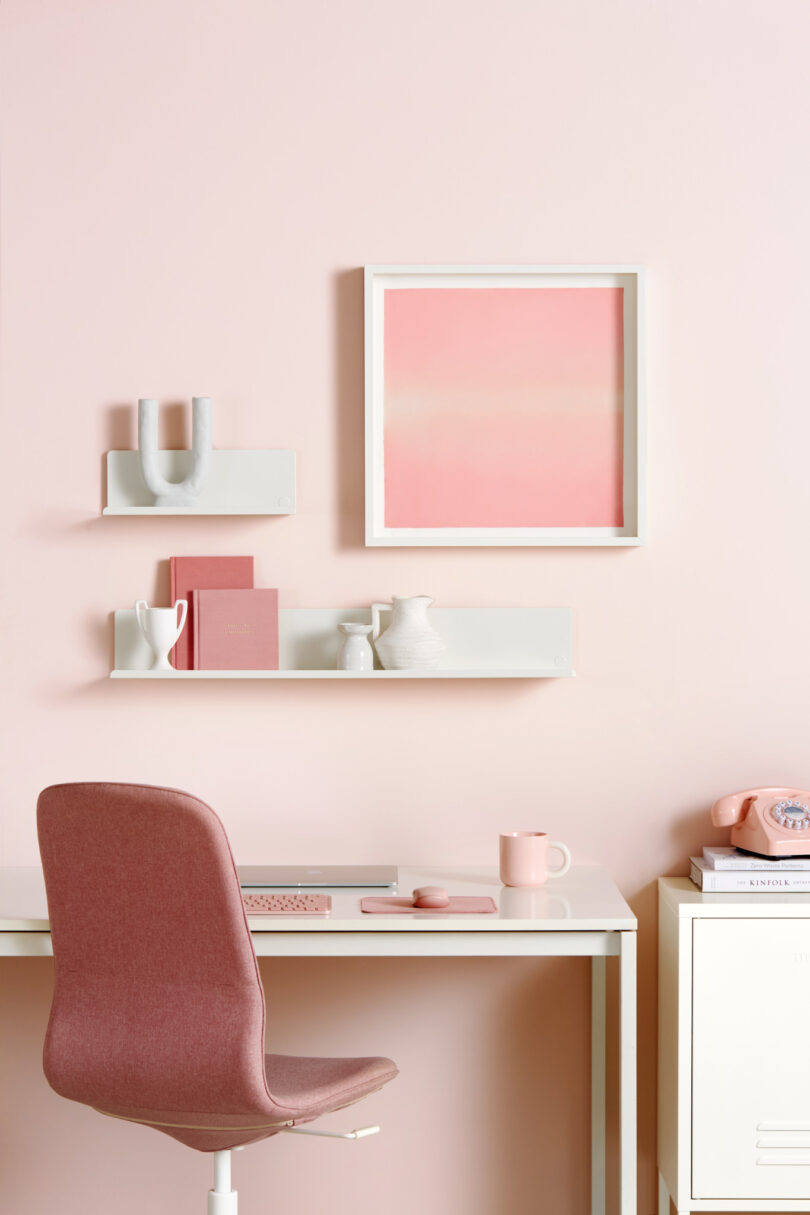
482,643
239,483
370,676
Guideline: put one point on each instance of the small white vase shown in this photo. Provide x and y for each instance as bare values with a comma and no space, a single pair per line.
410,642
355,653
161,629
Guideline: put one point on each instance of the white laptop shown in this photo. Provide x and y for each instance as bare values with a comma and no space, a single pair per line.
319,876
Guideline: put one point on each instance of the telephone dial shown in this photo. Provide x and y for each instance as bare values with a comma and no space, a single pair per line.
770,822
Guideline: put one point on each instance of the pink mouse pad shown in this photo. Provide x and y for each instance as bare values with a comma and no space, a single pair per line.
460,904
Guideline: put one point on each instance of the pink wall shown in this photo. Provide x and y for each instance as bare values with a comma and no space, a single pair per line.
189,190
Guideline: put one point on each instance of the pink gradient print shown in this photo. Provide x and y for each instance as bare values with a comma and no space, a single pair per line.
503,407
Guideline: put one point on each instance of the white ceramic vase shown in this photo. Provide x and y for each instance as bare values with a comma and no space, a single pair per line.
171,493
410,642
161,629
355,654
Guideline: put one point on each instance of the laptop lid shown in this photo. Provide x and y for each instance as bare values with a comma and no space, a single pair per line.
317,875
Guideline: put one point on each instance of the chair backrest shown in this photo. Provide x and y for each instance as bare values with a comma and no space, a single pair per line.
158,1005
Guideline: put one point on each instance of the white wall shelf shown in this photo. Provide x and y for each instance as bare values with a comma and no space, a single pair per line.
482,643
373,676
239,483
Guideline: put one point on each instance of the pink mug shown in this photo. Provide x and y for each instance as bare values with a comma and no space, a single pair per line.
524,858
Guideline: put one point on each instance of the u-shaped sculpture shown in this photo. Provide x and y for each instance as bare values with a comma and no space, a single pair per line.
175,493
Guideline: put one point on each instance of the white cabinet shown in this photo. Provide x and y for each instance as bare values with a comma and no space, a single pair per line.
734,1050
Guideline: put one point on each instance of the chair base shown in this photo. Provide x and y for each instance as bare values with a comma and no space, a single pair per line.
222,1200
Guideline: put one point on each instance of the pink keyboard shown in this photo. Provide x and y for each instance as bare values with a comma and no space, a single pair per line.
287,904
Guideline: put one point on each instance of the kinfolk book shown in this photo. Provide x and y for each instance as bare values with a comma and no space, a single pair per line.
235,630
735,881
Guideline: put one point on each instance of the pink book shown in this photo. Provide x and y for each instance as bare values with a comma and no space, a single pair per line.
202,573
235,630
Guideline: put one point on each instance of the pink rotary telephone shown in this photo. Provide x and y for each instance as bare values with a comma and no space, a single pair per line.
771,822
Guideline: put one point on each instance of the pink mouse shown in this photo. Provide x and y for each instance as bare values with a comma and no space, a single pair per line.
430,897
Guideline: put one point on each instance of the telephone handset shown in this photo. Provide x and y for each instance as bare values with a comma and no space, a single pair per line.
772,822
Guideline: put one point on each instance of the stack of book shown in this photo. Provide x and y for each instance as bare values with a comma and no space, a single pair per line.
729,871
232,626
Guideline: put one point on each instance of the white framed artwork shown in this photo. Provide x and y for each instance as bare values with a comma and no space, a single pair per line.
504,405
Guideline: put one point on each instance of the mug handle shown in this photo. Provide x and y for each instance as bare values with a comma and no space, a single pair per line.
376,608
140,606
184,604
566,865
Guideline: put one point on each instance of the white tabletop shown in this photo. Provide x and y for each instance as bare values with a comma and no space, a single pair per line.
585,900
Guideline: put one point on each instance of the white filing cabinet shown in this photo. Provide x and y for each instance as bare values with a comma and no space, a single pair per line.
733,1050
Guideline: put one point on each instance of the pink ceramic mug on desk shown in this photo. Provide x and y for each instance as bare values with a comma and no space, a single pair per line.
524,858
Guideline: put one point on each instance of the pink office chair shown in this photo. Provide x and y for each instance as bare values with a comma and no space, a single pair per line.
158,1008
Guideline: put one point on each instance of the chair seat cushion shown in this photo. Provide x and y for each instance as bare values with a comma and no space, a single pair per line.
309,1087
301,1089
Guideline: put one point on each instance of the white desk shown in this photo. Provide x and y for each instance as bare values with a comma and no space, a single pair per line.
580,915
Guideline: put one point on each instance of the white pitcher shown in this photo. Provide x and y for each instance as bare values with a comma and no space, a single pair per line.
161,629
410,642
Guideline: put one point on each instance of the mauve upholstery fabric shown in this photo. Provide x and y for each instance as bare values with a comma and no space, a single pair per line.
158,1009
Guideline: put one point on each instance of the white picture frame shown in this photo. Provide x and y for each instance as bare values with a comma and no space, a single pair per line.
629,525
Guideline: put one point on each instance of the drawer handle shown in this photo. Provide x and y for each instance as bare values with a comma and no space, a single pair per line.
783,1126
784,1160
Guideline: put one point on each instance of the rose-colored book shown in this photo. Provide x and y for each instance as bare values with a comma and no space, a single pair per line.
235,630
202,573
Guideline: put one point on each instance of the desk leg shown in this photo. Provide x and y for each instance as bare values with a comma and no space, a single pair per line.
627,1073
598,1010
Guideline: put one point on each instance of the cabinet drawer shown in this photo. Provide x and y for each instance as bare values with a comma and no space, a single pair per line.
751,1058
